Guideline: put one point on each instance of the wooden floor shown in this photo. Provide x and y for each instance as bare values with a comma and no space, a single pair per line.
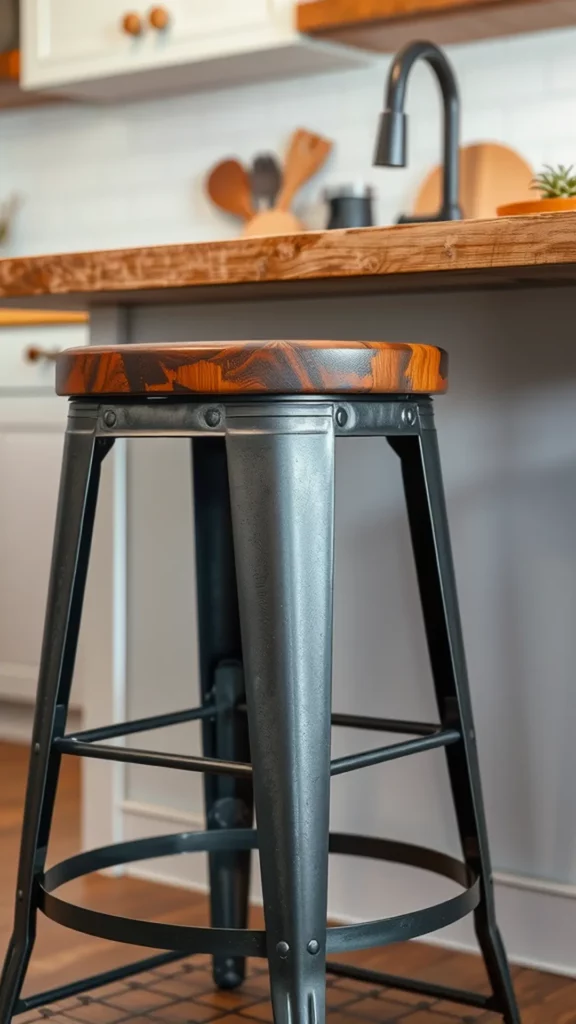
184,992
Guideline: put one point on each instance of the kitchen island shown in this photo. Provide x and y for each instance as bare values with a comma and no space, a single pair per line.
500,296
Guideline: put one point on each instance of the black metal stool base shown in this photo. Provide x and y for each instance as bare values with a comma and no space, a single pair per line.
252,942
264,497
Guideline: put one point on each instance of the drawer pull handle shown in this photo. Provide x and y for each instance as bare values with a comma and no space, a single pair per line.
33,354
159,18
132,24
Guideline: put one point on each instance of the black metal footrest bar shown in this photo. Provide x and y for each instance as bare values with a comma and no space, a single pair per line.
110,732
366,758
215,766
251,942
125,755
391,725
76,988
423,988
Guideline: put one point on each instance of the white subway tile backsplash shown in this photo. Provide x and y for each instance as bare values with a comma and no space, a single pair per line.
544,126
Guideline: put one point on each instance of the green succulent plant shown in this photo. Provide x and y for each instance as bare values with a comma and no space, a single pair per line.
555,182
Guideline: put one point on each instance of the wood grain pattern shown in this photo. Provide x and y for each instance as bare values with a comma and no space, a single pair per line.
184,992
385,25
400,258
253,367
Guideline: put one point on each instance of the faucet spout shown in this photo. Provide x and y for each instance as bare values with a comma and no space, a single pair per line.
391,145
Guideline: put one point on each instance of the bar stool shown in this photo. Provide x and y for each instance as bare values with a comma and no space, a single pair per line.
263,418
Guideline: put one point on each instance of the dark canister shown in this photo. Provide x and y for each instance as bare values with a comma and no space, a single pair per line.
350,206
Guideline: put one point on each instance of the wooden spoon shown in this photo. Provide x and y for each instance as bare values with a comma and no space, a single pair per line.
306,154
228,185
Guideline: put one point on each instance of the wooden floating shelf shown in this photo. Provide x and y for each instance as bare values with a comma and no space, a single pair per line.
385,25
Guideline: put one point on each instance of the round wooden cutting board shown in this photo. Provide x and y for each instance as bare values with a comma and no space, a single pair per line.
490,175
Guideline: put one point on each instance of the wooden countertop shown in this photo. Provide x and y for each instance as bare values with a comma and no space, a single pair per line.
508,252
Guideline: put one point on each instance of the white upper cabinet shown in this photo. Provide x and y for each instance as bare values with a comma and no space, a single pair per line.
113,49
192,18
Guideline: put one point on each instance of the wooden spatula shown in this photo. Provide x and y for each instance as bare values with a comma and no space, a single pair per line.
228,185
306,154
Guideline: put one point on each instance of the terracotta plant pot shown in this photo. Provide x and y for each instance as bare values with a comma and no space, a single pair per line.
537,206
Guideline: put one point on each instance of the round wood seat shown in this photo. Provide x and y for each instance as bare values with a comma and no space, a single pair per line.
253,367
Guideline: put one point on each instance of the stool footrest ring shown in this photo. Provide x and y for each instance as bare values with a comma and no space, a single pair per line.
251,942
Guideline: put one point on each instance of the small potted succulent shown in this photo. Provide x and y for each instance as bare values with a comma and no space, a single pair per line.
557,188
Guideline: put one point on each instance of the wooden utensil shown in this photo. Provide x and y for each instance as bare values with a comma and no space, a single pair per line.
306,154
273,222
265,179
490,176
228,185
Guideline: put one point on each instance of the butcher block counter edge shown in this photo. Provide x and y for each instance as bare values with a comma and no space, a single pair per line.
510,251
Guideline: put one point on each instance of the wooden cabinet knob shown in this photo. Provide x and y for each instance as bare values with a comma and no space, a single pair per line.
159,18
33,354
132,24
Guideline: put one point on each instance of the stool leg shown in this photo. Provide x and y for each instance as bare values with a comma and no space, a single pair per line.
229,801
426,506
75,517
282,489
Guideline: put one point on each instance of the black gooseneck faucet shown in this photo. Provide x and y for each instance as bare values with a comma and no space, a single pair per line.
391,143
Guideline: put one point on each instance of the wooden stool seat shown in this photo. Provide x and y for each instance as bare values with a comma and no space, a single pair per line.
253,367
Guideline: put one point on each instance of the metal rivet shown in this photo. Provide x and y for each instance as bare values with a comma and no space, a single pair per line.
313,947
36,748
409,416
213,417
110,418
341,417
20,894
282,949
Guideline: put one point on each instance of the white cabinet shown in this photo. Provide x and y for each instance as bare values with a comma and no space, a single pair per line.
32,423
192,18
111,49
116,32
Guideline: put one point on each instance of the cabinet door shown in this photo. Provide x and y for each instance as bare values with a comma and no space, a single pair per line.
191,18
68,30
32,423
30,457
